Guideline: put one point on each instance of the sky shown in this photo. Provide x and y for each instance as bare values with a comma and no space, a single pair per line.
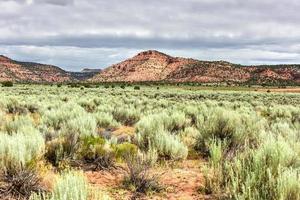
75,34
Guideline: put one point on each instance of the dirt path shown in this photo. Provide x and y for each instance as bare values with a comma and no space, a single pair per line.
180,182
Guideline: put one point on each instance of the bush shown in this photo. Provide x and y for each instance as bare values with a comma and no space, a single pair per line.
152,133
89,106
15,107
137,87
19,124
7,84
20,183
96,151
19,154
263,173
238,130
55,118
126,116
20,150
105,120
83,125
125,149
138,176
55,151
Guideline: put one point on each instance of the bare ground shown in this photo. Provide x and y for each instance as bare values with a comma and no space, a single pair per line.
180,181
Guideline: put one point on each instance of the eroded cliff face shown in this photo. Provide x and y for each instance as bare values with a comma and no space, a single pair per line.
156,66
11,70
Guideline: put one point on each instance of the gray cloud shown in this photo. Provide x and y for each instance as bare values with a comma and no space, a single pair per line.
253,30
54,2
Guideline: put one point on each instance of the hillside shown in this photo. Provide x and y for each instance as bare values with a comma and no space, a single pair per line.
11,70
156,66
85,74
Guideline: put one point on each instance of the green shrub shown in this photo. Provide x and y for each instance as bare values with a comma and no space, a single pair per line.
7,84
19,124
137,87
151,133
15,107
126,116
262,173
83,125
189,137
125,149
96,151
238,130
20,149
19,154
105,120
89,106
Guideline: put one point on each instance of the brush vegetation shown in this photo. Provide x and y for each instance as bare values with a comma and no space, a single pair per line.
249,140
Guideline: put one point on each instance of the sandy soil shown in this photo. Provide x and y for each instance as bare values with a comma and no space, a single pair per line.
181,181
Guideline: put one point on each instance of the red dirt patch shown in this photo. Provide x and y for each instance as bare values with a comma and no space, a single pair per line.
181,181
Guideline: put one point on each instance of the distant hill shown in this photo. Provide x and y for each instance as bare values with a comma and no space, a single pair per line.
156,66
85,74
11,70
88,70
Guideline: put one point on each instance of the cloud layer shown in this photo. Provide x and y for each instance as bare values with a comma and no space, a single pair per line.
96,33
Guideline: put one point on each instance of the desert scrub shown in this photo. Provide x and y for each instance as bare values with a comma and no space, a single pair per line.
7,84
89,106
126,116
71,185
105,120
20,150
55,117
2,119
83,125
19,154
97,152
124,149
263,173
189,137
237,129
63,142
14,106
151,133
138,176
22,123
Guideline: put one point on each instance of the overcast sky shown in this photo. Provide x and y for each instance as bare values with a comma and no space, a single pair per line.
97,33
